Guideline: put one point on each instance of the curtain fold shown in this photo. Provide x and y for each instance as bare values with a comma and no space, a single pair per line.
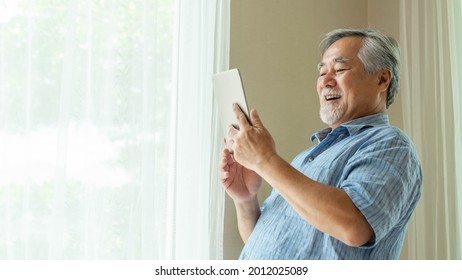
430,95
455,28
196,131
108,133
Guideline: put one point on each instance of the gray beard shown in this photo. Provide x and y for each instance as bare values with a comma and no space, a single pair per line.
331,114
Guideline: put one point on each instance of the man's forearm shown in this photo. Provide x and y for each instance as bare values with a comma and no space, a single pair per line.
248,213
327,208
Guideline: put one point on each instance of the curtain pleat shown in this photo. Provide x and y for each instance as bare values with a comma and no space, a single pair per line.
430,119
455,29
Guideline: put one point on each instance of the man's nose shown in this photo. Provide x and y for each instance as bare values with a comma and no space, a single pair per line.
328,80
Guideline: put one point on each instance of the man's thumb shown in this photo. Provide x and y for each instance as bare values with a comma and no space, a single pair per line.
255,118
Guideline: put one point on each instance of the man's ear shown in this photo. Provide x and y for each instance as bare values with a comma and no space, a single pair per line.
385,76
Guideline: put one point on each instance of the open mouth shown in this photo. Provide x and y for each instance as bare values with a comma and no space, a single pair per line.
332,97
331,94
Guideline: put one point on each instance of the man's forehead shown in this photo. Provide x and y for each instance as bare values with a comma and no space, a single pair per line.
338,59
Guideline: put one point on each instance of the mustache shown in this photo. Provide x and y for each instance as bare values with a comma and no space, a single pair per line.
330,91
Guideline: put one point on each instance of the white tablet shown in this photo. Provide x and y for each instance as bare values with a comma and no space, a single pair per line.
228,89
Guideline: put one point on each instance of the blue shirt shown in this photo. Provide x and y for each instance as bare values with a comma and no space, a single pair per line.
376,165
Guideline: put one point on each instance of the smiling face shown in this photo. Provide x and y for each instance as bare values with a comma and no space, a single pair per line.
346,92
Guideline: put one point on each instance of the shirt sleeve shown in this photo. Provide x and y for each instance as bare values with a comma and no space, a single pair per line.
383,180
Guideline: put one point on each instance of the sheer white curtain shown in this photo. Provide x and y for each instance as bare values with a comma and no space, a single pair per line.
455,28
431,34
108,138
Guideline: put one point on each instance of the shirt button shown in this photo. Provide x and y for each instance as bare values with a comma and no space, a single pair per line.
265,222
310,159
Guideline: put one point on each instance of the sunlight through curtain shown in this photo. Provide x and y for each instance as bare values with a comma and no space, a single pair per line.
431,37
108,137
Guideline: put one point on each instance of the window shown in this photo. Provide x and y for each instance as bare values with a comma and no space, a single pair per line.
91,128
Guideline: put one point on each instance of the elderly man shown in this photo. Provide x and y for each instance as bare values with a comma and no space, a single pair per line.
351,195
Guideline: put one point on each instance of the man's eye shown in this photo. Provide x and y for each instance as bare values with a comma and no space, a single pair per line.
340,70
322,74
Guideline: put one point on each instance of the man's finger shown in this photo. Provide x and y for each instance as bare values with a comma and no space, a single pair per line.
224,164
232,133
240,117
255,119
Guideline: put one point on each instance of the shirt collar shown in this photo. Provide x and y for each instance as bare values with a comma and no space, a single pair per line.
353,126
